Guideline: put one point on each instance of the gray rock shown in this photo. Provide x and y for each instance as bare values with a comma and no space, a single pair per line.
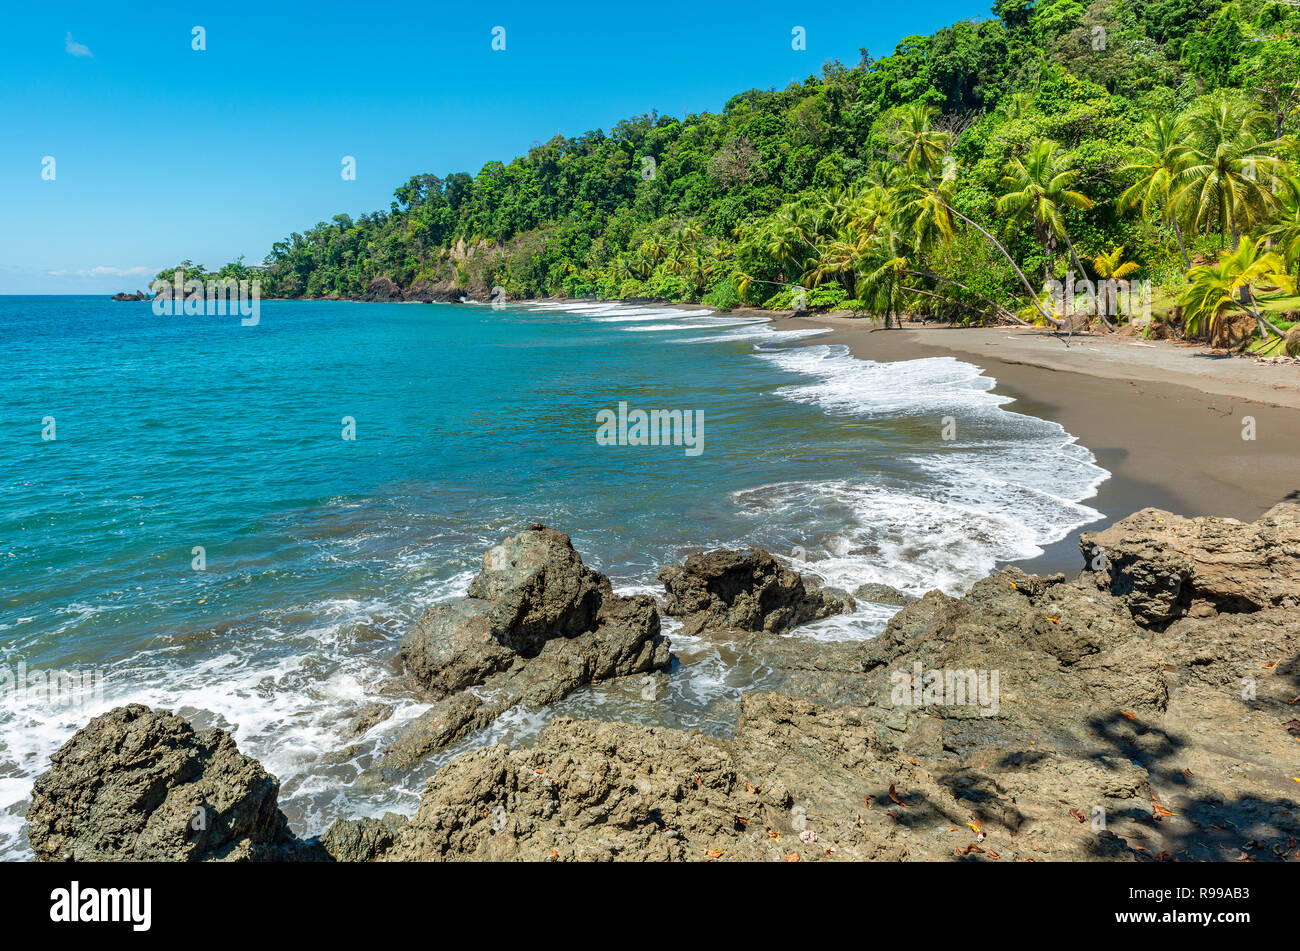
361,840
882,594
537,624
1164,566
539,588
141,785
745,591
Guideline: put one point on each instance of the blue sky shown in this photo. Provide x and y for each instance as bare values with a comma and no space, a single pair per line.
163,153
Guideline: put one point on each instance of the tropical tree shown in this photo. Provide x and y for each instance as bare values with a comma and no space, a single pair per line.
921,147
1110,269
1161,156
1230,164
1229,286
1040,187
1283,232
789,242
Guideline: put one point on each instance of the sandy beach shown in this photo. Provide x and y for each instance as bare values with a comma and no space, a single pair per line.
1166,420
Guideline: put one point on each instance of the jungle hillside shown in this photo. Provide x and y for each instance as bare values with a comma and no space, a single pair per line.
969,175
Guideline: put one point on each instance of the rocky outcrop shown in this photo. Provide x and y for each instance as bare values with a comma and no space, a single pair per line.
536,625
141,785
1164,566
745,591
439,292
138,295
1035,718
382,288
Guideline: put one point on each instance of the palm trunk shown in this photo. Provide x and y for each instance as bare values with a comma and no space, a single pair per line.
1178,233
1074,259
1015,267
1264,325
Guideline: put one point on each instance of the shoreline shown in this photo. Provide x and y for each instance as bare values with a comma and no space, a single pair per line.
1166,422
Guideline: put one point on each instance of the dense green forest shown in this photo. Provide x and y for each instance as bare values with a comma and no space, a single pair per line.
1144,140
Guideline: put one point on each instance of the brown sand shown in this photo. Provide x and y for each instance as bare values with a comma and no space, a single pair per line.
1165,420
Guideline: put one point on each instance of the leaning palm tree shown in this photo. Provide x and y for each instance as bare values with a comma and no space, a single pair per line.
1158,160
1040,186
1231,159
1229,284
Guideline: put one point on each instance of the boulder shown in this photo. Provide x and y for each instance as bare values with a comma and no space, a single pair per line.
536,625
361,840
1165,566
540,589
745,591
1292,342
882,594
141,785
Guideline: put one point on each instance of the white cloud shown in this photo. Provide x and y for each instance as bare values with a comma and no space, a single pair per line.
78,49
103,271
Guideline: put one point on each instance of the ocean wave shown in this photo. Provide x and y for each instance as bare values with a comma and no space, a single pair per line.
1005,485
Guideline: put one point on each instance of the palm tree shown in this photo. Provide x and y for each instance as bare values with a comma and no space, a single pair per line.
858,214
1016,105
1284,231
1229,285
1158,161
788,241
654,250
887,261
1040,187
883,173
1228,155
921,210
922,147
1111,268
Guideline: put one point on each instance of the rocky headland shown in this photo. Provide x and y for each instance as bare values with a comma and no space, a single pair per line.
1147,709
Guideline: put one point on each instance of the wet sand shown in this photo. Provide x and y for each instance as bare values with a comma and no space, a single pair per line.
1165,420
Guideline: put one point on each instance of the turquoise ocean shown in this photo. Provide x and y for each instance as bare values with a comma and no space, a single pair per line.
471,422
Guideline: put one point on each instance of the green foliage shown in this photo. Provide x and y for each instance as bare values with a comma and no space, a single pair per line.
940,179
826,296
